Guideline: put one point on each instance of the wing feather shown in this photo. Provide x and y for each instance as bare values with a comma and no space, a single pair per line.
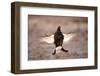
50,39
68,37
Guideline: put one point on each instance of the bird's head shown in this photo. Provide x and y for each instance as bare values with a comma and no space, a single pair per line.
59,28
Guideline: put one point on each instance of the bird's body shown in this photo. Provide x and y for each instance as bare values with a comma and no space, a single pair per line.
58,40
58,37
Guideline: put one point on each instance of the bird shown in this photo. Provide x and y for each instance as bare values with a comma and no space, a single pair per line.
58,38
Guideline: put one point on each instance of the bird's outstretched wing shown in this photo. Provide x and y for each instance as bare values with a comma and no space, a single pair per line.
68,37
50,39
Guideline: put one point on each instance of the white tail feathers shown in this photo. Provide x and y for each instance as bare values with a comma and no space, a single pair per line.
58,48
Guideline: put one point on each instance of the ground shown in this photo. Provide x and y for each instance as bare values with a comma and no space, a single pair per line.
43,26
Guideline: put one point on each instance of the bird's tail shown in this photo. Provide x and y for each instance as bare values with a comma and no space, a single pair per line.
59,48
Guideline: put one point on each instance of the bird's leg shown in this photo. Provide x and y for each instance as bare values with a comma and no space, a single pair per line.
54,52
64,50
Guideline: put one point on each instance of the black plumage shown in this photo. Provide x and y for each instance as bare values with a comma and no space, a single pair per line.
58,40
58,37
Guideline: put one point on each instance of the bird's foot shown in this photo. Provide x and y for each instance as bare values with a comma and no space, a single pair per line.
64,50
54,53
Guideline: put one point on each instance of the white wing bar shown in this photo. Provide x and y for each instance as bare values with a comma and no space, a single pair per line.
50,39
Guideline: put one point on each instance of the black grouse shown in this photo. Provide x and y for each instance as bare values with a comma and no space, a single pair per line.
58,40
